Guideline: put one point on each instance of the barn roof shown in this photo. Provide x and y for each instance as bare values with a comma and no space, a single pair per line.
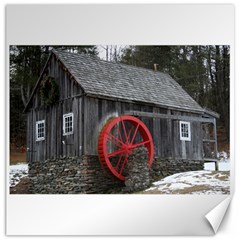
125,82
99,77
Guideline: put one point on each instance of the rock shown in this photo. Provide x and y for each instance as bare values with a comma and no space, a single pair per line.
137,170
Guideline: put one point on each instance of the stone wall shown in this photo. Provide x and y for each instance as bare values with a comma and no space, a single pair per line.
71,175
95,179
137,170
165,167
86,175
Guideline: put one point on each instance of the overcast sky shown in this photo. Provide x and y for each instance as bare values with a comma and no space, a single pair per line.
103,48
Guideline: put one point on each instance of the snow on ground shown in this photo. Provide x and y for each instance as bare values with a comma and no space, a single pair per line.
224,165
16,172
207,181
196,182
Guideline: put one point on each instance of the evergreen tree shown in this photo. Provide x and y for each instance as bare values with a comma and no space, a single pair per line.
203,71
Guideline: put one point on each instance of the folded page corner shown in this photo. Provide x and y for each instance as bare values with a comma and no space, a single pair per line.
215,216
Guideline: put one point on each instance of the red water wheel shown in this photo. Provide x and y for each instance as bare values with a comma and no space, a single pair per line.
117,140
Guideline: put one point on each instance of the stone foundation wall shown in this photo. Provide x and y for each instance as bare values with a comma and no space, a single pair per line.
70,176
165,167
86,175
95,179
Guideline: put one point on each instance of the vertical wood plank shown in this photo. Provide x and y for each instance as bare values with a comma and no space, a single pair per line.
34,137
44,142
169,135
64,146
80,124
193,144
100,115
71,83
72,150
66,85
163,130
190,144
60,82
184,154
85,125
177,148
156,133
53,135
118,108
56,142
60,130
159,137
75,127
104,108
92,123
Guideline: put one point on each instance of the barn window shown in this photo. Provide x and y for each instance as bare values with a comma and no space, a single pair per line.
68,124
185,131
40,130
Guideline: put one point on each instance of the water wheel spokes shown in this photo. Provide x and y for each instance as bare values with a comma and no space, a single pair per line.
117,140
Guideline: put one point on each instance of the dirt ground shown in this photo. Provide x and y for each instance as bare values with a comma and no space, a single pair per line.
22,187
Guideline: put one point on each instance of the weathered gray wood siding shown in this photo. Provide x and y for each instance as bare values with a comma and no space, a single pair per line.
165,133
90,114
70,101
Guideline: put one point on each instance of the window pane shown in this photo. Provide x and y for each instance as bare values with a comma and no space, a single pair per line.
185,131
40,126
68,123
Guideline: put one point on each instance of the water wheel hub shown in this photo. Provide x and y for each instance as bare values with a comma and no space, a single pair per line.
117,140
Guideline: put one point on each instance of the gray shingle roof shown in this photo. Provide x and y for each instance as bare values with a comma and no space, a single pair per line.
99,77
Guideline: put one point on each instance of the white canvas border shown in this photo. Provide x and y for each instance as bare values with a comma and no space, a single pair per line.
185,36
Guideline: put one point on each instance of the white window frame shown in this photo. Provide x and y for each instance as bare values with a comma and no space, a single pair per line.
37,130
65,116
188,138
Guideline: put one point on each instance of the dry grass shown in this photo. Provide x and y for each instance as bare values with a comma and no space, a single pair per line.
220,175
190,190
223,177
17,157
187,190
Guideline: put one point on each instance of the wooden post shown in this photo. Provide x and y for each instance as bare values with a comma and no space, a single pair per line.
215,143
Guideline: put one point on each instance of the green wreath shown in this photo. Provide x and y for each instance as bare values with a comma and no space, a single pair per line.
49,91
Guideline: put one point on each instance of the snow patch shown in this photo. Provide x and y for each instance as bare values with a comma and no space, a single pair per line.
16,172
224,165
198,182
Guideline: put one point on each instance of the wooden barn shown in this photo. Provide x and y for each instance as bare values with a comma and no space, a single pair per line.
77,94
